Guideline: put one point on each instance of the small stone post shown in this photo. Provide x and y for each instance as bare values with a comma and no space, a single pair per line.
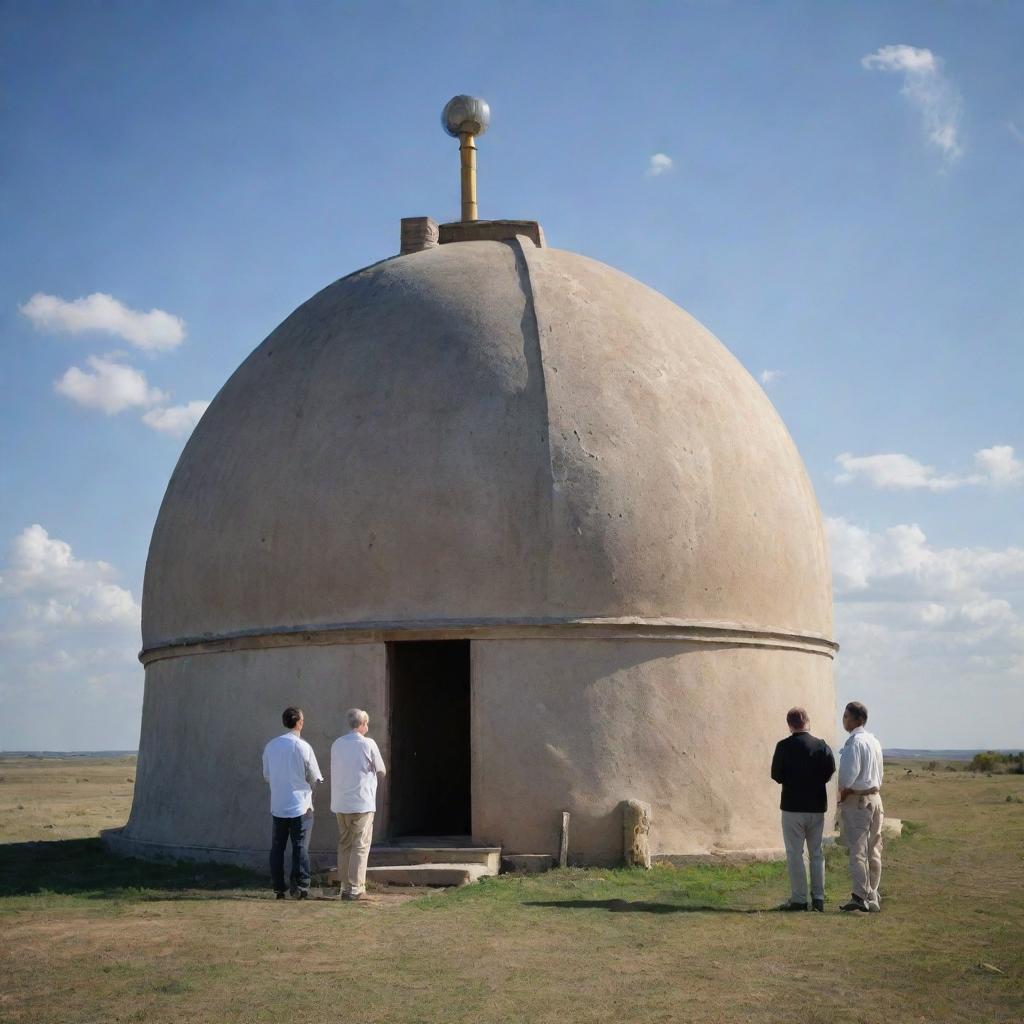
636,833
563,845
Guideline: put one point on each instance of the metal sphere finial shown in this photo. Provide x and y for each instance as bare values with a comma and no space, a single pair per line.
465,115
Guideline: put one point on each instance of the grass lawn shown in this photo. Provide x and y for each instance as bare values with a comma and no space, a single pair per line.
88,938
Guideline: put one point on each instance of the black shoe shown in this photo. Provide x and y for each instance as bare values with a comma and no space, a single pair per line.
856,904
818,905
303,894
793,906
282,896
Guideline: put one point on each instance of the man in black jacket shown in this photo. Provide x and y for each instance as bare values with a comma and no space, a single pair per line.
802,765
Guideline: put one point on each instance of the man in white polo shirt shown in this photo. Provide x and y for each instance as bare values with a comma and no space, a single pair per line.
356,765
289,765
860,804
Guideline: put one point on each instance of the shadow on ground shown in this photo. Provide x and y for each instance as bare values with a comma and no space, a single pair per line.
636,907
82,867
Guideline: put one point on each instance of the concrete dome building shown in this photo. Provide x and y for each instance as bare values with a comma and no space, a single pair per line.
528,513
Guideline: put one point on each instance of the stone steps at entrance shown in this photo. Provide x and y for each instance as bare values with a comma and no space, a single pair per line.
430,860
428,874
488,857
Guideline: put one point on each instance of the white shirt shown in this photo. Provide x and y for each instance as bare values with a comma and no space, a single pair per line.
355,764
289,765
860,761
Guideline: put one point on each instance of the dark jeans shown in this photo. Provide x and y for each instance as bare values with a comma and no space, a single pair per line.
299,831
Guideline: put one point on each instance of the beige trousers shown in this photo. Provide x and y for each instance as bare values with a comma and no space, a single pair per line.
355,832
862,831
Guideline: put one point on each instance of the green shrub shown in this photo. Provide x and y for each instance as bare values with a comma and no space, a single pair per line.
992,761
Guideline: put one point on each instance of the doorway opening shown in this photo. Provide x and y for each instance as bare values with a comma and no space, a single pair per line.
429,728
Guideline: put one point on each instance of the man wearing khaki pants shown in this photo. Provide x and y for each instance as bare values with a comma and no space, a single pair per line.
860,804
356,765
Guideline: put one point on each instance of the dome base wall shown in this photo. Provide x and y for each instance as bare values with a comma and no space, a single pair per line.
205,721
577,725
688,727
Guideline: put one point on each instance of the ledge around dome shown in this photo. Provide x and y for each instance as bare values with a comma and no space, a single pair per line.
630,628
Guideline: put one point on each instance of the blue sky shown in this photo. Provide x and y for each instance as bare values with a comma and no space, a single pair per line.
837,195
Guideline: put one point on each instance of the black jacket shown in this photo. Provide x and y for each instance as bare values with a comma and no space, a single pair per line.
803,764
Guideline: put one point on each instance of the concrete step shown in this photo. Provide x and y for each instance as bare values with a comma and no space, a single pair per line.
428,874
488,857
528,863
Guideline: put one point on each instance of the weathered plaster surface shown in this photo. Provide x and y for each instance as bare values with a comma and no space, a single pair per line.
686,727
487,430
205,720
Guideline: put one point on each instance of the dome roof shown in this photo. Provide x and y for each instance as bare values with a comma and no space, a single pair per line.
487,432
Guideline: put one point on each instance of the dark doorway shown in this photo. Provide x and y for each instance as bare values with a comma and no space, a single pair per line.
430,767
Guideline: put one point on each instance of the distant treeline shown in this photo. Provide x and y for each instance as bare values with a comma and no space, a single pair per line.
68,753
997,761
906,753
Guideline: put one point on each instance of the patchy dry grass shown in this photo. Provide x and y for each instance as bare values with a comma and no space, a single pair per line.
63,798
87,938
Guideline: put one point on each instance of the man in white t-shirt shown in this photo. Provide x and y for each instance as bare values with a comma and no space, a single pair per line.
356,765
860,805
289,765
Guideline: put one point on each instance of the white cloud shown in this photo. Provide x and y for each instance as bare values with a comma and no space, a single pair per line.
1000,465
111,386
82,658
54,588
996,467
991,610
936,98
36,557
1012,128
902,58
893,471
659,164
176,420
898,563
155,331
69,633
925,629
98,604
767,377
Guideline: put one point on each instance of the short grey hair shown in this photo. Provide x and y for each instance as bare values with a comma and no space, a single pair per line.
356,717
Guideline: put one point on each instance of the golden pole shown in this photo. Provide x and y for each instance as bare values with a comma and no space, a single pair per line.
467,155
